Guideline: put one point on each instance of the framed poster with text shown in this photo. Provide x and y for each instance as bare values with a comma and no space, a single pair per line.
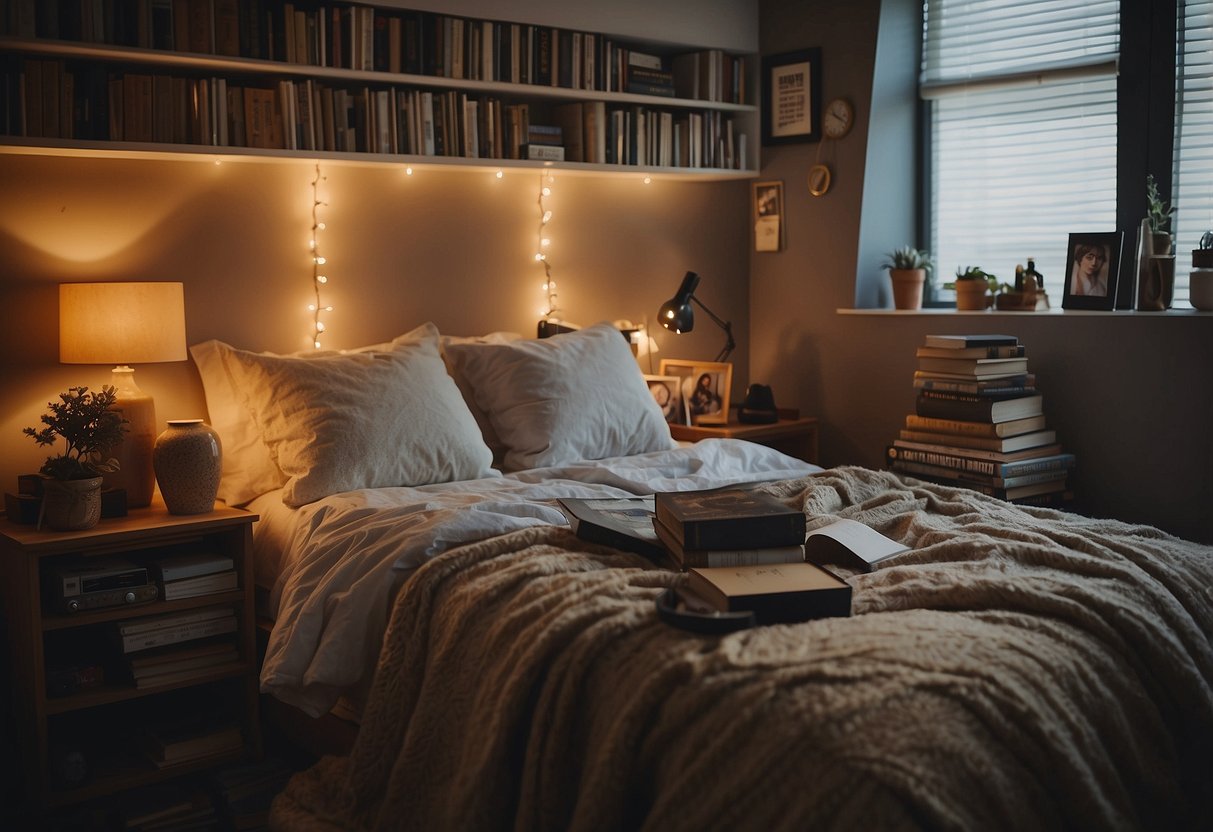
791,97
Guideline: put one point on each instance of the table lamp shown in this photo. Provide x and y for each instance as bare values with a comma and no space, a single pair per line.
121,324
677,315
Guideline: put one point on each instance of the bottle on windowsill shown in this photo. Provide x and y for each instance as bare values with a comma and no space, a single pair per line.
1031,272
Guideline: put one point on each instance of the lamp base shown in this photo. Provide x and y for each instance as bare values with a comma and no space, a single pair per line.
134,452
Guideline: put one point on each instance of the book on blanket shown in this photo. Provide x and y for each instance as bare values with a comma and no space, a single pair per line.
729,518
775,593
622,522
850,543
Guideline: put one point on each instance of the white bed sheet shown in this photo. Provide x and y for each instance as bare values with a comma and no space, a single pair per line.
340,561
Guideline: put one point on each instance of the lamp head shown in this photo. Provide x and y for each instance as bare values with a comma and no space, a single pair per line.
676,313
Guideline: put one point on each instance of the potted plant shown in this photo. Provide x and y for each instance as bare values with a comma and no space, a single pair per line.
1158,214
908,270
1200,289
71,487
972,286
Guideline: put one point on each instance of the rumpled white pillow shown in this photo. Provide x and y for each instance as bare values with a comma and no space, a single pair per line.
465,387
367,419
557,400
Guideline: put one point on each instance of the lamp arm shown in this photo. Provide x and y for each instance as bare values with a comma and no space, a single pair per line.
727,326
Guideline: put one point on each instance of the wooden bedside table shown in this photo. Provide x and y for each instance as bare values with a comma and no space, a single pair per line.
795,437
101,726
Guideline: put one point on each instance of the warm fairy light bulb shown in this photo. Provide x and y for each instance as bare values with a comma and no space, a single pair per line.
546,192
545,242
647,180
320,326
538,256
500,174
321,226
408,171
328,309
316,344
320,261
311,307
320,278
547,217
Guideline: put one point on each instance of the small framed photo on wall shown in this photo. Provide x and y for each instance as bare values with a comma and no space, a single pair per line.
768,216
704,387
791,97
667,392
1092,271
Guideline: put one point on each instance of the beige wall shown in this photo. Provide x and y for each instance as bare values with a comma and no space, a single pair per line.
454,247
1129,394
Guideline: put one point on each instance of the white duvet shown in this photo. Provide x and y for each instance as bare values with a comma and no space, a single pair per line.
341,559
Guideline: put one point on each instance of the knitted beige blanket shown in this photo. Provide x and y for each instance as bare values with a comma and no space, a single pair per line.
1020,669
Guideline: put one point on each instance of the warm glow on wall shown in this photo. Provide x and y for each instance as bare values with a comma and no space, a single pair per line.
319,262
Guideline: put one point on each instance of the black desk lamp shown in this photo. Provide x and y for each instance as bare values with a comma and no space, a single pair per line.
677,315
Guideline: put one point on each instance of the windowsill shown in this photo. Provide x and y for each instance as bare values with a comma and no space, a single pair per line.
1007,313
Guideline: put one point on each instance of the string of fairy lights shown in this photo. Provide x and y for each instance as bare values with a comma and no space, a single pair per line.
543,244
319,276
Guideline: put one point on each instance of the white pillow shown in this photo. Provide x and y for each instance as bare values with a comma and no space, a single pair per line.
367,419
482,419
579,395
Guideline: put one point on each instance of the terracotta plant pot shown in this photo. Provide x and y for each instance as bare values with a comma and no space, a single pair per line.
71,505
971,294
907,287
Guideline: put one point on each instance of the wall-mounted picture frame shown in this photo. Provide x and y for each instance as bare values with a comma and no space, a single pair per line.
705,387
791,97
667,392
1092,270
768,216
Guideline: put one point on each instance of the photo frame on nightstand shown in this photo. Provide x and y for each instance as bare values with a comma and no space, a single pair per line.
667,392
705,387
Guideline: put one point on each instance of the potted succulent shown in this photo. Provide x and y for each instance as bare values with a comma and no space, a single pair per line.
908,270
1200,289
71,487
973,286
1158,215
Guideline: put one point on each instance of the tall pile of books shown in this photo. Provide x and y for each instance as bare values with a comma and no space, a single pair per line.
979,423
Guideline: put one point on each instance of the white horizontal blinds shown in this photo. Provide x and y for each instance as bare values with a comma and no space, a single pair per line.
1023,144
1193,190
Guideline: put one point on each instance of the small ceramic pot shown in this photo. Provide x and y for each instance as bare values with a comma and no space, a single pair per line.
971,294
71,505
188,459
907,287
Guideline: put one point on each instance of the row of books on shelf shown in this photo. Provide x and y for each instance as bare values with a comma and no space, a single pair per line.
358,37
42,98
979,422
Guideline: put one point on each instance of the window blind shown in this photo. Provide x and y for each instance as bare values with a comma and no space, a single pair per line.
1193,189
1023,131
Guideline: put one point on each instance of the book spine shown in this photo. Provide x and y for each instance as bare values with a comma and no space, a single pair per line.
143,625
192,586
965,477
184,632
170,571
975,388
701,559
991,468
974,409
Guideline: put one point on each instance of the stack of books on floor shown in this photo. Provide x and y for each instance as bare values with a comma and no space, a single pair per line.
194,573
979,423
744,551
190,736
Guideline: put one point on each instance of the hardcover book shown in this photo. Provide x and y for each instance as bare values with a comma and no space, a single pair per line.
976,367
729,518
781,593
689,558
956,476
622,522
1012,427
200,585
960,342
1002,444
178,567
971,352
977,408
960,461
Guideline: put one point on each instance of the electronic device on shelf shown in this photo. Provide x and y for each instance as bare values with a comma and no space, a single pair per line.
97,583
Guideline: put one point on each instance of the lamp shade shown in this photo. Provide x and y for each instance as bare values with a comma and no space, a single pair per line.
676,313
121,323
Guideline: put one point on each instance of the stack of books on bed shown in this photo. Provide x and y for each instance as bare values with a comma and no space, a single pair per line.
979,423
728,527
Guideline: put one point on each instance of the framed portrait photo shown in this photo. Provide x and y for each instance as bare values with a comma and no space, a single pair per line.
704,388
667,392
791,97
768,216
1092,271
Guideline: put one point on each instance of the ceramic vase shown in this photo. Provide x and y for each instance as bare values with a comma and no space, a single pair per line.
907,287
71,505
188,459
1201,289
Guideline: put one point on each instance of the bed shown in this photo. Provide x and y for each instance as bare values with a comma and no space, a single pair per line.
1017,668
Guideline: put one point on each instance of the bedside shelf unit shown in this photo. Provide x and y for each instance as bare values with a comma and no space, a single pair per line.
794,437
102,723
729,130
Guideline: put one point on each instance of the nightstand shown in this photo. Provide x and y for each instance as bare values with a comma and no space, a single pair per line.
80,739
795,437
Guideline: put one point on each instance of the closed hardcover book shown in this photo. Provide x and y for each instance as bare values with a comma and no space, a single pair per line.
960,342
987,467
962,477
178,567
729,518
201,585
977,408
688,558
622,522
544,152
1004,444
850,543
938,445
175,619
999,386
184,632
779,593
1011,427
1016,351
977,367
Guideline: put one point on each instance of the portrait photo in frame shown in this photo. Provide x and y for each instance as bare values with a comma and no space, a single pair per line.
705,389
768,216
791,97
667,392
1092,270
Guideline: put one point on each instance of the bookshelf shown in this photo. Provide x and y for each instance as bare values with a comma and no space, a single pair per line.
96,728
184,103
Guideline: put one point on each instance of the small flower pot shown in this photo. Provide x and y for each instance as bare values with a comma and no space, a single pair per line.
971,294
907,287
71,505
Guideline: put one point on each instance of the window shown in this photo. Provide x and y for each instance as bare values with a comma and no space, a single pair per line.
1022,130
1193,134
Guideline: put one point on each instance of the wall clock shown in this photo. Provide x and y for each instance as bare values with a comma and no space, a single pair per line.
839,116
